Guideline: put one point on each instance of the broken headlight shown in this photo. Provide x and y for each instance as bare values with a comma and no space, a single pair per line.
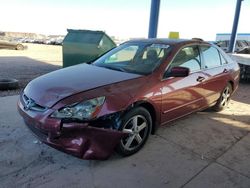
84,110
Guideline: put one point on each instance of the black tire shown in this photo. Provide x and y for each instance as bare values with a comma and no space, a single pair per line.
137,135
8,84
19,47
224,98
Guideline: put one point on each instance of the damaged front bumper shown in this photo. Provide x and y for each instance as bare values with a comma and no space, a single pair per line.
77,139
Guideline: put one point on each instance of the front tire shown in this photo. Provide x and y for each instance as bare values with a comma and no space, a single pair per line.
137,124
224,98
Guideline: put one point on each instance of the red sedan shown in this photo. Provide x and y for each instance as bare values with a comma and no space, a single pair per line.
116,102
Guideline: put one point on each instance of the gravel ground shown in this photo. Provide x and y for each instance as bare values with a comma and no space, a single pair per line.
28,64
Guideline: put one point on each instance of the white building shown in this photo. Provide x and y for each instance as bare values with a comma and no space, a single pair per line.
226,36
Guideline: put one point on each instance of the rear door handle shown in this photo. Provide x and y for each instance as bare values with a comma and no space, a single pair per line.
200,79
225,71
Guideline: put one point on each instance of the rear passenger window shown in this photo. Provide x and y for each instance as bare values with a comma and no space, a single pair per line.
211,56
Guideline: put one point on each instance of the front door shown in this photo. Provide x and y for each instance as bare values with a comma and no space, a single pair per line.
183,95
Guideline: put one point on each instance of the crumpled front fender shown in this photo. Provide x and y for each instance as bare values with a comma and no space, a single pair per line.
78,139
86,142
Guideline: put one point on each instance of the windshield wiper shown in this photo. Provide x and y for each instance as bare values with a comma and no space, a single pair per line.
115,68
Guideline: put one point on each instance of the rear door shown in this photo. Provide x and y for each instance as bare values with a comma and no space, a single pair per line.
216,72
183,95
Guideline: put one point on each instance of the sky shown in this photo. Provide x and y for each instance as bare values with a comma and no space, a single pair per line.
124,18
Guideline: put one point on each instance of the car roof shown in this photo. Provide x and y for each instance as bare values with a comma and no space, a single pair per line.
167,41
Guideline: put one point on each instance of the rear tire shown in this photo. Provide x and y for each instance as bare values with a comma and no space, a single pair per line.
224,98
137,124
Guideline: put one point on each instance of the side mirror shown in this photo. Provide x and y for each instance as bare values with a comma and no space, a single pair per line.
179,72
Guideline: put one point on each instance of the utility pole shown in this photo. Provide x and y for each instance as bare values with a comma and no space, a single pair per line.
154,15
235,26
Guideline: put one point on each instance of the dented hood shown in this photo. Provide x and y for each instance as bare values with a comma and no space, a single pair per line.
48,89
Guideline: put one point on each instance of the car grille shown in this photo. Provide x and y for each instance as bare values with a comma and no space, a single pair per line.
29,104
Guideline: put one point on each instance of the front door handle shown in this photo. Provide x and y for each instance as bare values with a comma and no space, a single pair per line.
200,79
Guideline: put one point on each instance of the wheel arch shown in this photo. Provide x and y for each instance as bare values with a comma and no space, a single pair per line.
151,109
232,84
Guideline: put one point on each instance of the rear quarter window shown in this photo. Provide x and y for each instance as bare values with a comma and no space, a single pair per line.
211,56
223,60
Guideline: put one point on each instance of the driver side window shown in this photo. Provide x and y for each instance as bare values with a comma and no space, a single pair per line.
188,57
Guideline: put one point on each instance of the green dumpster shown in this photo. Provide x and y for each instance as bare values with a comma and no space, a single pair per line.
82,46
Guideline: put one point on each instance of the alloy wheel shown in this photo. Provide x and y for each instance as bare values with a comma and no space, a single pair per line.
225,97
137,129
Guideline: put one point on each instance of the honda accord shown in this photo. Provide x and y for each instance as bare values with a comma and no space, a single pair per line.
117,101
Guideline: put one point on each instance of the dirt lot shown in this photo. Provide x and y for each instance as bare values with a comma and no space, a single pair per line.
205,149
28,64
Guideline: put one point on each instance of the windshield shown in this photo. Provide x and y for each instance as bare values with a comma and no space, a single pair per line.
134,58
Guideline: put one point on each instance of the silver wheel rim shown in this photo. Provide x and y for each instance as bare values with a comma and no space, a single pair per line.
225,97
137,128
